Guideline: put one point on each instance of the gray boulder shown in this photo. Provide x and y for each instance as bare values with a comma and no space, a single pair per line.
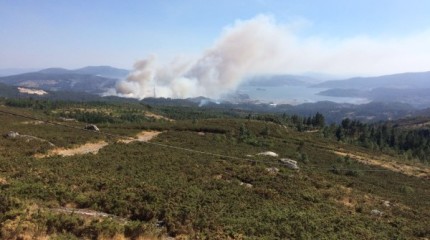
376,212
11,134
272,170
289,163
91,127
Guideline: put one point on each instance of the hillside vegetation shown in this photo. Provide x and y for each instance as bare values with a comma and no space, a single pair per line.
200,178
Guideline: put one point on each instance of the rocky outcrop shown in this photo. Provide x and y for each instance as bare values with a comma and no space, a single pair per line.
268,153
14,135
289,163
11,134
91,127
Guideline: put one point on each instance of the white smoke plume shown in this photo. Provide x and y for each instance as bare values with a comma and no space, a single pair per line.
247,48
262,46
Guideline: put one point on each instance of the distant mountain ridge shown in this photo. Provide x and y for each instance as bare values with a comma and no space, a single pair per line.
400,80
14,71
279,80
92,79
410,88
102,71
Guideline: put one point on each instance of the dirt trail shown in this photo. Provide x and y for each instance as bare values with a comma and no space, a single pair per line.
83,149
141,137
390,164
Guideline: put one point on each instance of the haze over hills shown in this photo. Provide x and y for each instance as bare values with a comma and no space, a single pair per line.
411,88
93,79
102,71
15,71
89,83
280,80
400,80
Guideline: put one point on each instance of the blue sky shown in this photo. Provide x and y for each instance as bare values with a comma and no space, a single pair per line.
72,34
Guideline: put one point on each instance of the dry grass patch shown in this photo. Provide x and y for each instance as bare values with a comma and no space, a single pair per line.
417,170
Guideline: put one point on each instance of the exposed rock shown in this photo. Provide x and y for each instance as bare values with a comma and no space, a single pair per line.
201,133
67,119
11,134
85,213
376,212
218,177
27,138
247,185
289,163
3,181
31,91
268,153
92,127
272,170
386,204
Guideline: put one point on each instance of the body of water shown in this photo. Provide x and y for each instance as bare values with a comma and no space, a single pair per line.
293,95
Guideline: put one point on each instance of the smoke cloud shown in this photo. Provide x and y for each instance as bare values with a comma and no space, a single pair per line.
263,46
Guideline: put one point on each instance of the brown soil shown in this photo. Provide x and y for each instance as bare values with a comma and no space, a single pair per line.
95,147
144,136
3,181
83,149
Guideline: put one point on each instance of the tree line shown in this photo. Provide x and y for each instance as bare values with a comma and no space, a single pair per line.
386,136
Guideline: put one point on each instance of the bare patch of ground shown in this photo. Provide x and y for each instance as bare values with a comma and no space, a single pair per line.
156,116
348,202
3,181
83,149
141,137
416,170
31,91
95,147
